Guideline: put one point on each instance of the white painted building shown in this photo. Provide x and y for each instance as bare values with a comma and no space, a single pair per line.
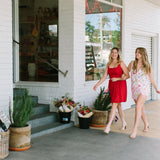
140,27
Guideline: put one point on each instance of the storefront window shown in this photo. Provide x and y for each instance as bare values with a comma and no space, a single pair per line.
38,37
103,31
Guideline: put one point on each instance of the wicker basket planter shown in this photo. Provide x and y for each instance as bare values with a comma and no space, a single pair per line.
99,118
4,144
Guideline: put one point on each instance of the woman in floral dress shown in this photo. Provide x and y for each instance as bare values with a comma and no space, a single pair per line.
141,76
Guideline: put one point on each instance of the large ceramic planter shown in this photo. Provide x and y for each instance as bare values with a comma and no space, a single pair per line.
99,118
20,138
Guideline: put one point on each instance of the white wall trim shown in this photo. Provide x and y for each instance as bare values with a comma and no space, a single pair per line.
155,59
37,84
16,37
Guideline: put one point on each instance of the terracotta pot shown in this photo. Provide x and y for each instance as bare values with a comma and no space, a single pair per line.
99,118
20,138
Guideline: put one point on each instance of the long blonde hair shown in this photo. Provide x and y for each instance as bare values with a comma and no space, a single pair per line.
146,65
118,58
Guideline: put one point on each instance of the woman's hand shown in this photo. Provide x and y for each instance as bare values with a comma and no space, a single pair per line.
157,91
95,87
124,77
115,79
106,91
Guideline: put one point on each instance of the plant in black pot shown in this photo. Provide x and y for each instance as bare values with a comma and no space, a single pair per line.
65,106
84,115
101,109
20,131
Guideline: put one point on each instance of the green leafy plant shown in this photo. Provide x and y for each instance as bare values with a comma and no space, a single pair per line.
22,110
103,101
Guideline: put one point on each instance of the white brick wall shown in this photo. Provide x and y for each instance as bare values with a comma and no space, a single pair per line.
138,15
6,84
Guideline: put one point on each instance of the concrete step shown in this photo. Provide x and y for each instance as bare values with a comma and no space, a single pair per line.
21,91
35,99
49,128
40,109
43,119
18,91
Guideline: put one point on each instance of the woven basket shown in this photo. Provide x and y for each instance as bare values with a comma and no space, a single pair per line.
99,118
4,144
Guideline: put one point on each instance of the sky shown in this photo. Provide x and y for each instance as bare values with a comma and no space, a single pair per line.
95,20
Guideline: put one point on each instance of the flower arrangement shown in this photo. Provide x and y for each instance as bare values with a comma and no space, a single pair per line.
84,112
65,104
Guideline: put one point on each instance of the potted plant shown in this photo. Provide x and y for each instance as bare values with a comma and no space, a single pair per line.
84,115
20,131
65,106
102,107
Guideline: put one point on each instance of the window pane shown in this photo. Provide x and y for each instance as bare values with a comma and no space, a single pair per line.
38,35
103,31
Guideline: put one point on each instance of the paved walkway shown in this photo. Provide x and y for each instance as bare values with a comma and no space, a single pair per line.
152,110
89,144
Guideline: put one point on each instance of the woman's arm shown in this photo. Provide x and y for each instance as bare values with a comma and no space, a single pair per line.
153,82
129,69
125,70
129,66
102,79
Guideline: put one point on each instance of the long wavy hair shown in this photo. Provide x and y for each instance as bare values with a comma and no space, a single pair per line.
118,58
146,65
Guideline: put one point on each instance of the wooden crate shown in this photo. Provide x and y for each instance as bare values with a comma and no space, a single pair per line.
4,144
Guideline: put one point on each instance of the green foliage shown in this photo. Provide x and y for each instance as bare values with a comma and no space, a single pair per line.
116,35
90,29
22,110
103,101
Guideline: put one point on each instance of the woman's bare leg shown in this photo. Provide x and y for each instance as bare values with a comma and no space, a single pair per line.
138,113
144,118
111,117
121,114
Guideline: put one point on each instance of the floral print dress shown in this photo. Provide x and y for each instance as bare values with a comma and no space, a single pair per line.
140,83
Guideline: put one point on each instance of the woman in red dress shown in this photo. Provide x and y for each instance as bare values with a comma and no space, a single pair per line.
117,86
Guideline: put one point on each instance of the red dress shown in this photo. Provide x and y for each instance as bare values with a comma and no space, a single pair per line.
118,89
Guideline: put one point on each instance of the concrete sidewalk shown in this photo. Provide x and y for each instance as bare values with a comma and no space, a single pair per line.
152,110
89,144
